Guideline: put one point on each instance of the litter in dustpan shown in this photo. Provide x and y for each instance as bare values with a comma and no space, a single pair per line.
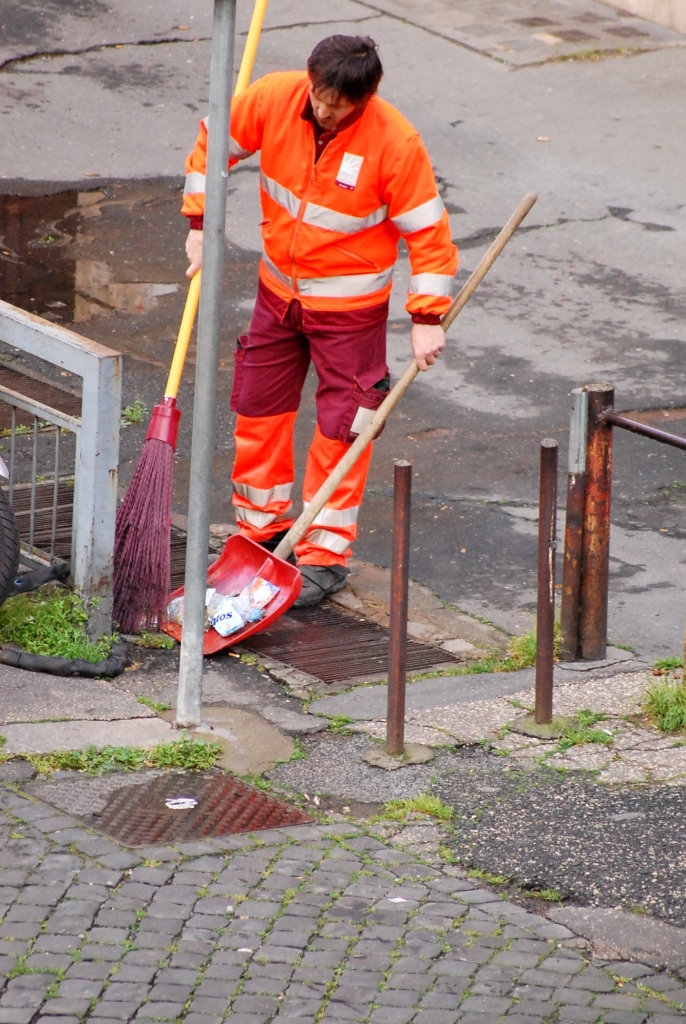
250,586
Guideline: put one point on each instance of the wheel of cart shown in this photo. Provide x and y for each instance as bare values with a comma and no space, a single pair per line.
9,539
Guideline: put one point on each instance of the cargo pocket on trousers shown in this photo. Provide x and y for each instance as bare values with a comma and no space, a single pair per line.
369,391
239,356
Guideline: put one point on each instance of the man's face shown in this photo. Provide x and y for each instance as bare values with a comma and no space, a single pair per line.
329,107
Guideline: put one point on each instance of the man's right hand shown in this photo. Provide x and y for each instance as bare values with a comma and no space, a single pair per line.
194,252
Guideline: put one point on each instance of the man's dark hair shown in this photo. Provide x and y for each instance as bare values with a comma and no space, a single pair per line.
348,65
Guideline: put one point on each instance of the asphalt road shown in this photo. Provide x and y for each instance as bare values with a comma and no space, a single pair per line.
108,98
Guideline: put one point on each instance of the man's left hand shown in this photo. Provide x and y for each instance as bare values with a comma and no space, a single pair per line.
428,340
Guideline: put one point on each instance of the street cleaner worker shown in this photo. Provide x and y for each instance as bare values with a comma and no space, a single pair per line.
343,177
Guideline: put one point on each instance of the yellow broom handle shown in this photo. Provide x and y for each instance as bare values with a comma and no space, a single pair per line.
251,43
184,337
193,297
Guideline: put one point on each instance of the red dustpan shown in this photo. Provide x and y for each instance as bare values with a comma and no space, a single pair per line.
242,559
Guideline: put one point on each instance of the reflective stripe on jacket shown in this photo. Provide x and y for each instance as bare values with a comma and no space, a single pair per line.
331,228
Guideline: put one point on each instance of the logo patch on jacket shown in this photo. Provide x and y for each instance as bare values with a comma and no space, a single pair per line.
349,171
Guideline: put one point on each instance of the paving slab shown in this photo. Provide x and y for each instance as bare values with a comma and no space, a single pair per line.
369,702
619,935
365,703
42,737
34,696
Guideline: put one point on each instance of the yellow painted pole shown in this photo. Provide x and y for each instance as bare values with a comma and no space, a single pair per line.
193,297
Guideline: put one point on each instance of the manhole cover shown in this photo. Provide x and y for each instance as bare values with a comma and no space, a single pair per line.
334,645
170,808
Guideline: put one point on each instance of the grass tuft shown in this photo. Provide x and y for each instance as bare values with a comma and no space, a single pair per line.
583,732
50,622
154,641
487,876
133,413
665,705
338,725
397,810
521,653
667,664
187,752
552,895
156,705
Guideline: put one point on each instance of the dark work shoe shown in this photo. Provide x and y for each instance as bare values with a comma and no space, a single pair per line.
319,581
273,543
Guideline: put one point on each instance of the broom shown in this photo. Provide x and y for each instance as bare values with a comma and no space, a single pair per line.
142,562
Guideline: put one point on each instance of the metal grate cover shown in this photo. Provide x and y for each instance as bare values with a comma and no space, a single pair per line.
208,804
334,645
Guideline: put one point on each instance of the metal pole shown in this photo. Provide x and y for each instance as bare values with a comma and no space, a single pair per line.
574,523
400,575
595,562
221,77
545,610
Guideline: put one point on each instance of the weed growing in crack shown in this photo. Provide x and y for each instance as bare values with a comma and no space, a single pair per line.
156,705
487,876
582,731
424,803
665,705
187,752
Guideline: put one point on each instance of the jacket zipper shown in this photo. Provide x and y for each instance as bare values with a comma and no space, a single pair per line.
301,214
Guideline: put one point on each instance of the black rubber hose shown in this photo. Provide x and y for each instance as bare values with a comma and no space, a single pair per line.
112,666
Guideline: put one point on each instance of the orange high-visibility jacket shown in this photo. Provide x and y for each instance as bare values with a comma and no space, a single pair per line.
331,228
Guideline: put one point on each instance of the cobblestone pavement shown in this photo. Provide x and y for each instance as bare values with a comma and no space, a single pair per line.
310,923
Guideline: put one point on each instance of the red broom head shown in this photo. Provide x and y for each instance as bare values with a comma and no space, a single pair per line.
142,568
164,422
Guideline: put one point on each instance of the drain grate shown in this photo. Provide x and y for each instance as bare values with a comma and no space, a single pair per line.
334,645
171,808
39,388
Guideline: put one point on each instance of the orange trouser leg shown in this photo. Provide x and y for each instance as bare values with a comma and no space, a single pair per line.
263,474
335,528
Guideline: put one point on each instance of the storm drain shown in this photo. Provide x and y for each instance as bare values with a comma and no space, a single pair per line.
334,645
172,808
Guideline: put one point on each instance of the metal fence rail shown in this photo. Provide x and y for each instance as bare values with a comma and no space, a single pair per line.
586,568
95,454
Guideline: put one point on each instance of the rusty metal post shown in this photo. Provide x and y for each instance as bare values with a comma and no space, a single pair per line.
574,527
595,561
545,608
400,575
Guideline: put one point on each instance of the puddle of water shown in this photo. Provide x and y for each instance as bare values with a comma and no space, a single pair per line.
38,268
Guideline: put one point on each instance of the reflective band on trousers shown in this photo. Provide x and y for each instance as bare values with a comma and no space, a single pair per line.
258,519
263,495
321,216
430,284
424,216
329,541
340,517
343,287
362,418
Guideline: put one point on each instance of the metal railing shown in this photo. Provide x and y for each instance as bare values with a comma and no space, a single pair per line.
586,566
93,454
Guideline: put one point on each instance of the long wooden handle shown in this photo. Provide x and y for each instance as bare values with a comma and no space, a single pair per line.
193,298
300,526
